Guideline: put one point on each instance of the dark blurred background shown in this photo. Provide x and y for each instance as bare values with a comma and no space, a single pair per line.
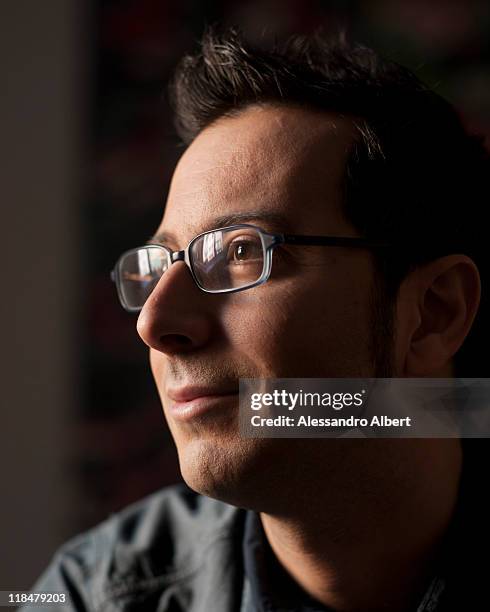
89,150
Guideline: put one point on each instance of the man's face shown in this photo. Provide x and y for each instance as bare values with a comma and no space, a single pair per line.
282,170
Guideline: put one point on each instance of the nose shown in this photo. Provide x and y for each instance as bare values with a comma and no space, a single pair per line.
176,317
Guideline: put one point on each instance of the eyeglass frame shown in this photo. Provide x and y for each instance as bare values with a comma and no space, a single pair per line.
269,242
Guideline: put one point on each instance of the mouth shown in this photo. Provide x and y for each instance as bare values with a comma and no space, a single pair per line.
188,403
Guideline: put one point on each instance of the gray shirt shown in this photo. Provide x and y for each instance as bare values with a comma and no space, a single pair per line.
179,551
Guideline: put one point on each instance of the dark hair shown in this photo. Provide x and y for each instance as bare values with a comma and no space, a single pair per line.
413,176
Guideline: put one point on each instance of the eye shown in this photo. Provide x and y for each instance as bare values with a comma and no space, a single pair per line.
244,250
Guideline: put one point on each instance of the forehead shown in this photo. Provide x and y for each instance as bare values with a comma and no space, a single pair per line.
286,163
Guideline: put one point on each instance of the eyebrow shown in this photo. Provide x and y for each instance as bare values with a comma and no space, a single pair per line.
272,219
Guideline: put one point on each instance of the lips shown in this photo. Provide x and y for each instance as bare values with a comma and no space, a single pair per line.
189,403
190,393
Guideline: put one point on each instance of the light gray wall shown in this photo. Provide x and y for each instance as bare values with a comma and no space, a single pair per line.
41,102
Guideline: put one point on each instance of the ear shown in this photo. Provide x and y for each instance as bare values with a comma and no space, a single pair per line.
436,306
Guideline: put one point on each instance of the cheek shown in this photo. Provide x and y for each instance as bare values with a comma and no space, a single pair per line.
293,329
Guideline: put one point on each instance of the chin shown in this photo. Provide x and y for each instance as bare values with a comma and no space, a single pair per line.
232,470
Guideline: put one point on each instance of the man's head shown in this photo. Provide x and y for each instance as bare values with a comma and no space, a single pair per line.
315,140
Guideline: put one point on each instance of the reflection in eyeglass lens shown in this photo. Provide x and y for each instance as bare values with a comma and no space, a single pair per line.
228,259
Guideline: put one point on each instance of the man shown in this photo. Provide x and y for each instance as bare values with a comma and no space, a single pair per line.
315,139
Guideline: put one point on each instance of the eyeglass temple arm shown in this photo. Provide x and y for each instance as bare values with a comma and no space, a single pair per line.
332,241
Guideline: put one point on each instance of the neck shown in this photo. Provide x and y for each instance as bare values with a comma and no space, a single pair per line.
368,538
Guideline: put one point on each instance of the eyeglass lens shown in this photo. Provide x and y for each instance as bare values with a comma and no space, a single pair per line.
228,259
139,272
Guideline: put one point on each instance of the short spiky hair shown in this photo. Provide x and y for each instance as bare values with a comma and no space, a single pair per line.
413,175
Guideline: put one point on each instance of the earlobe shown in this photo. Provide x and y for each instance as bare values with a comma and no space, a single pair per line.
446,295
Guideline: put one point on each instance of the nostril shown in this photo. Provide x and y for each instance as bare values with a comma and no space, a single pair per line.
185,340
176,341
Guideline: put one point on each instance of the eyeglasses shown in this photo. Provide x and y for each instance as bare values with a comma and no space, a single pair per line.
223,260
